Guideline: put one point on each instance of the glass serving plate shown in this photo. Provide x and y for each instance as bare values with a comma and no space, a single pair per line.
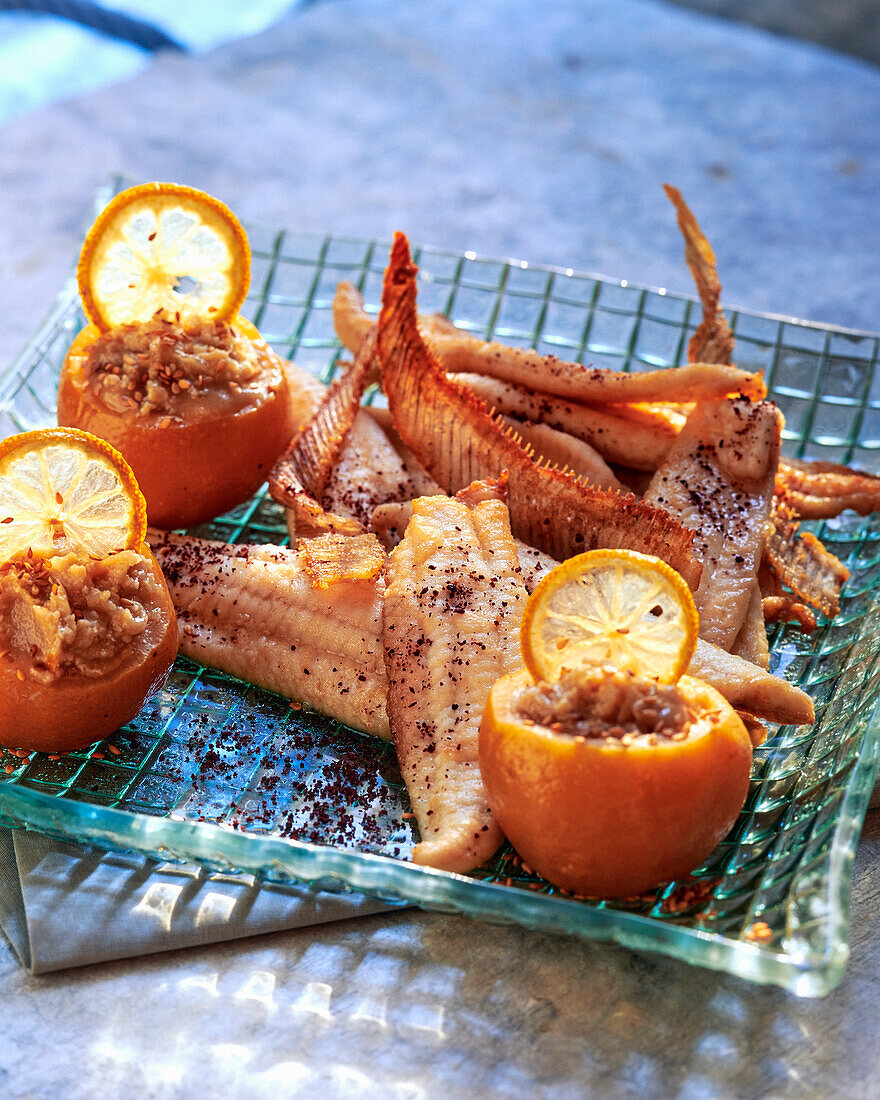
230,776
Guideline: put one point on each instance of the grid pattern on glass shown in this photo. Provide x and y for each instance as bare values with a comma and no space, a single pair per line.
212,750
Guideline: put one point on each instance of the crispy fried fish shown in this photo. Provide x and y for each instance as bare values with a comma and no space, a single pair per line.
813,490
452,435
453,604
300,477
341,464
713,341
751,642
719,481
389,524
460,351
799,561
566,452
750,687
620,433
819,490
281,619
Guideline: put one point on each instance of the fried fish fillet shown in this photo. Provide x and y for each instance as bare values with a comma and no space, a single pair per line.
224,593
719,480
346,462
389,524
423,484
751,642
619,433
799,561
750,687
300,477
268,615
460,351
819,490
453,604
565,452
452,435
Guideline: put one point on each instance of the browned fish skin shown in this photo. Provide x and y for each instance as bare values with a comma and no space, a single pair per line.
819,490
713,341
460,351
452,435
748,686
453,605
252,611
307,464
719,481
800,561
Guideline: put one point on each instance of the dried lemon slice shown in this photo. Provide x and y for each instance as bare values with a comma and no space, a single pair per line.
614,607
64,490
163,246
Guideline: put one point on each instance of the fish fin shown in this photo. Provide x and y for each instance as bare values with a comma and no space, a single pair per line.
713,341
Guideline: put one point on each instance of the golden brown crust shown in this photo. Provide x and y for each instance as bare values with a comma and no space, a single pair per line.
300,477
788,609
462,352
452,435
713,341
799,561
819,490
332,558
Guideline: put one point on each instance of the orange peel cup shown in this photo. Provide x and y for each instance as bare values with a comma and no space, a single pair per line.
188,471
64,492
74,711
169,248
606,816
605,820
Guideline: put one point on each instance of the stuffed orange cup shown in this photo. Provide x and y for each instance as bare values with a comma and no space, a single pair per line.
607,784
608,770
87,627
167,370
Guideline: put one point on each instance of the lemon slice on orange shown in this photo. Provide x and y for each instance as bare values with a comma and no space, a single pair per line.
64,490
163,246
614,607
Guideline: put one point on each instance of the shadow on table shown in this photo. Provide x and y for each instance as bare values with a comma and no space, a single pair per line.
415,1005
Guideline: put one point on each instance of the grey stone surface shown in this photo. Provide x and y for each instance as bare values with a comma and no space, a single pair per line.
852,26
490,126
542,131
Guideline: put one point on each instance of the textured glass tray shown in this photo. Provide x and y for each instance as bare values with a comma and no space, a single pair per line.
224,774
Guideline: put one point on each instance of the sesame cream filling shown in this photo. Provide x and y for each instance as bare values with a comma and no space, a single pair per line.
70,616
182,371
607,703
